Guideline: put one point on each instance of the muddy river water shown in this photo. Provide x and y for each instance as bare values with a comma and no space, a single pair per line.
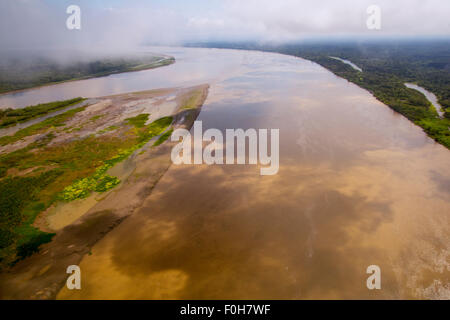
358,185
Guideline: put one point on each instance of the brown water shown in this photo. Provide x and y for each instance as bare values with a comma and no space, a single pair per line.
358,185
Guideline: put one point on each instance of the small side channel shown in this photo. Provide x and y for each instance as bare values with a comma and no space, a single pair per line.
430,96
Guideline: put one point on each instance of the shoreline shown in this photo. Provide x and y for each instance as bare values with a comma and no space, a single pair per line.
169,61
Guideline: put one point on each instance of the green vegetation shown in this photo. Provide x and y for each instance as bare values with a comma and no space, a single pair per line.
19,205
98,182
36,176
154,129
16,75
138,121
10,117
95,118
41,127
386,67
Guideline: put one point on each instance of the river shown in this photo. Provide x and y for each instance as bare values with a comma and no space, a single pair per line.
354,66
358,185
430,96
192,67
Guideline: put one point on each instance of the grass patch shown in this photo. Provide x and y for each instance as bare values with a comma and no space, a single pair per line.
110,128
15,75
138,121
41,127
95,118
390,89
18,239
10,117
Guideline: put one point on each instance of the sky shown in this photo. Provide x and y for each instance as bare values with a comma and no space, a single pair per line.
116,24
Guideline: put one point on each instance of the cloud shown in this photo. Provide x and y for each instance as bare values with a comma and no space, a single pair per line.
119,25
294,19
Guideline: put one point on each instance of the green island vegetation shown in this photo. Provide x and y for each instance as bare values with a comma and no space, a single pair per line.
10,117
386,66
40,127
38,175
16,75
163,137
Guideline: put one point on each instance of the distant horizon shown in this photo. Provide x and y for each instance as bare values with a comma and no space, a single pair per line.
335,39
307,41
118,24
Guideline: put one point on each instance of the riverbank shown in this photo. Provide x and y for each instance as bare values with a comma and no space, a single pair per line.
80,71
115,198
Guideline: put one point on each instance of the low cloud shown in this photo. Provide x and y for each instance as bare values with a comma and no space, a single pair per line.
121,25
